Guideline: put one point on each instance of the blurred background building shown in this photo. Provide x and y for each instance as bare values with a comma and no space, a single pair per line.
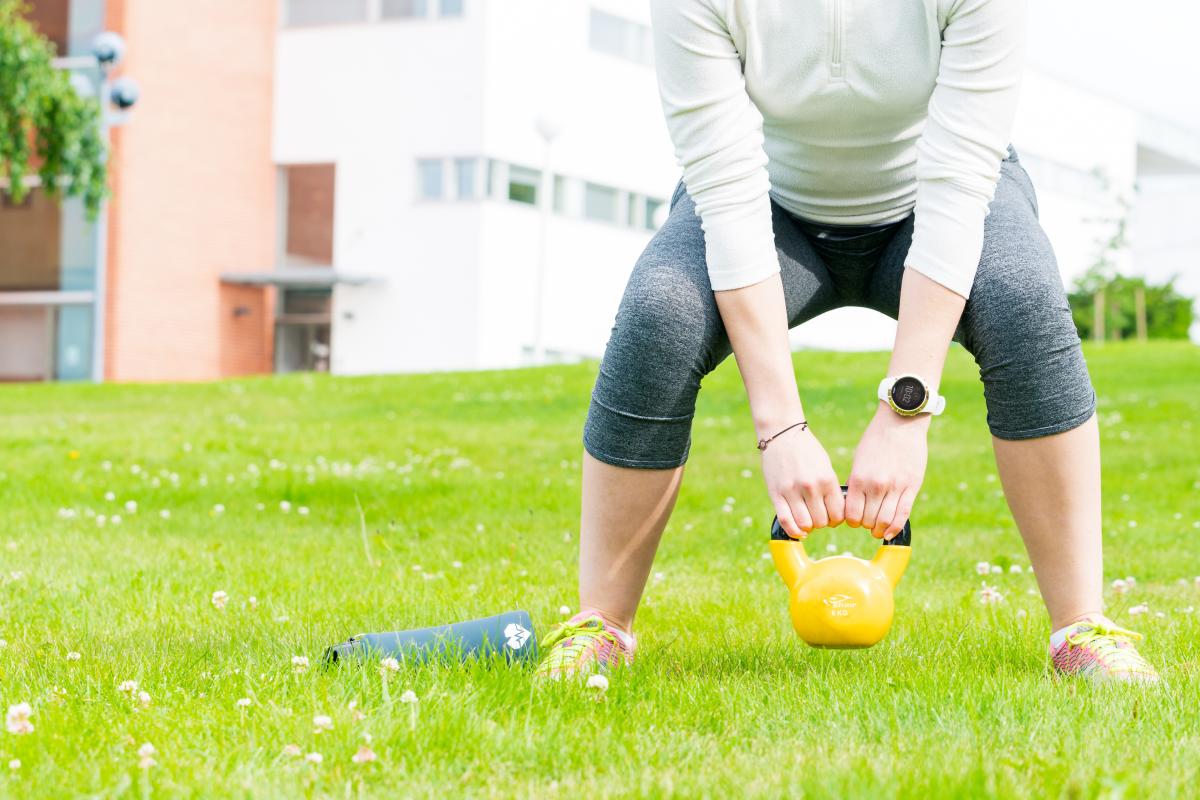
398,185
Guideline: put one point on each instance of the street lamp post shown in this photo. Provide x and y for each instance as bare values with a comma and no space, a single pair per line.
549,130
116,97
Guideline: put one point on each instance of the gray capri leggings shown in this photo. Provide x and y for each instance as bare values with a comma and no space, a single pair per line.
668,333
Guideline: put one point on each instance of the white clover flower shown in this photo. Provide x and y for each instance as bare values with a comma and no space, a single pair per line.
990,595
1132,581
997,569
831,547
299,664
3,644
17,720
1015,569
128,687
131,506
564,611
409,696
143,698
302,511
165,514
1119,586
1138,609
244,702
1022,613
322,722
388,666
15,764
285,507
747,473
983,568
66,513
598,682
219,508
456,564
74,656
364,755
101,520
219,599
292,750
252,601
314,758
110,496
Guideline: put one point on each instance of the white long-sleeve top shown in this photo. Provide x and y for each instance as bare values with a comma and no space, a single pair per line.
845,112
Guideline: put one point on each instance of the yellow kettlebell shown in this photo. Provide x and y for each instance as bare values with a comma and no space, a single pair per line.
840,601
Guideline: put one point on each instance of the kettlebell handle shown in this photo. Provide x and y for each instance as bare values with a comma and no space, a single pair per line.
902,539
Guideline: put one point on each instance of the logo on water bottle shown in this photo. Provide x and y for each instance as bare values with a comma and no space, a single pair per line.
516,635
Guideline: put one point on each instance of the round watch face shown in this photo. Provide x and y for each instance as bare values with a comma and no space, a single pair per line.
908,393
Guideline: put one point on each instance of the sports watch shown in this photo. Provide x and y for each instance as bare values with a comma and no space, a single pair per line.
909,395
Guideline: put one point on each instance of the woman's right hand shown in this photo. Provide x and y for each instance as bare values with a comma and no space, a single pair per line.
801,483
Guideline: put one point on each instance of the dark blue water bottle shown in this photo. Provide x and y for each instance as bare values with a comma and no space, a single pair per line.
508,636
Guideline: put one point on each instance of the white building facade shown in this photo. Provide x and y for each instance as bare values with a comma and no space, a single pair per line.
496,168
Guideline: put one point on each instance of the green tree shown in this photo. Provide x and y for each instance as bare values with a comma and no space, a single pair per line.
43,119
1168,313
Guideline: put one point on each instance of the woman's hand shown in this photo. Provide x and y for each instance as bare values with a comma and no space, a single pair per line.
801,483
889,468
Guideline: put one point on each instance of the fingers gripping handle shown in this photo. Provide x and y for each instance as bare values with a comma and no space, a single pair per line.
902,539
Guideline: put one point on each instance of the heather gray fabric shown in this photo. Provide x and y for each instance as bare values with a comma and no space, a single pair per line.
668,333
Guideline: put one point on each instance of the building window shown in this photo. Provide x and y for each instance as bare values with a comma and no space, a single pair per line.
429,178
393,9
523,184
451,8
464,178
652,207
617,36
301,13
599,202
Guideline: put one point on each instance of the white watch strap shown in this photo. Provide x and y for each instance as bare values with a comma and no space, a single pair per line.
934,406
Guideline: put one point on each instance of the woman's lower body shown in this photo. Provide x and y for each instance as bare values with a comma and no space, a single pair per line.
1017,324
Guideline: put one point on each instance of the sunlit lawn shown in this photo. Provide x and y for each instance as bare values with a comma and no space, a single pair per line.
127,507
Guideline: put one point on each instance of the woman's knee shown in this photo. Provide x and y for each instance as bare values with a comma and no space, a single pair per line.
667,336
1019,327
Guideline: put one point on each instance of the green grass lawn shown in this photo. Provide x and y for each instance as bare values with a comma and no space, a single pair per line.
469,484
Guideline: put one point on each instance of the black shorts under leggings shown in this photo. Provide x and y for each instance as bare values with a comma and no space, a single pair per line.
668,333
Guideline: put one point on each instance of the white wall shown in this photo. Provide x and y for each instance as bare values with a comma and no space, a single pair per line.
611,131
372,99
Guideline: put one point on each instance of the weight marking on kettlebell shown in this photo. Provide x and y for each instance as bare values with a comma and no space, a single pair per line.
840,601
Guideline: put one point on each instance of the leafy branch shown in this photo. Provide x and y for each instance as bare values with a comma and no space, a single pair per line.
45,124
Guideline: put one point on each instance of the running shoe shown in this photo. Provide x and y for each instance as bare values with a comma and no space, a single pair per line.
1101,651
584,644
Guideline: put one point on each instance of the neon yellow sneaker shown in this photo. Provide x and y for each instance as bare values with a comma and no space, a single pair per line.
584,644
1100,651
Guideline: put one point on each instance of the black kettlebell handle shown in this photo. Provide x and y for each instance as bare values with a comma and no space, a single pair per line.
902,539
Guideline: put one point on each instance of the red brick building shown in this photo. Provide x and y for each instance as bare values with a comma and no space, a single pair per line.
139,295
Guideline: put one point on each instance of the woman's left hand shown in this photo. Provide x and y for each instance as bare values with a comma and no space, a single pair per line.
889,467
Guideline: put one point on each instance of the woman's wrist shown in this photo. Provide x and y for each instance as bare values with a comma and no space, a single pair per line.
769,421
